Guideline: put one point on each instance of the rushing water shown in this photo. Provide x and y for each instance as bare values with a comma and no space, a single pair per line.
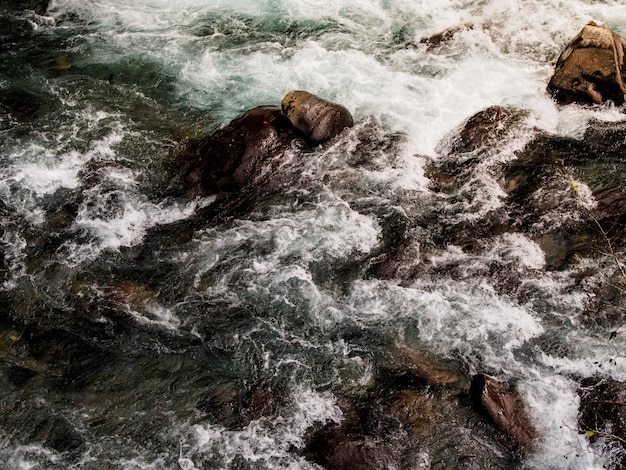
123,306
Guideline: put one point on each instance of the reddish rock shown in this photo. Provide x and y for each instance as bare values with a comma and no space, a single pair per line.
506,408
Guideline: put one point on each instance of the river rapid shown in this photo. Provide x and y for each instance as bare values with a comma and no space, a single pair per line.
133,323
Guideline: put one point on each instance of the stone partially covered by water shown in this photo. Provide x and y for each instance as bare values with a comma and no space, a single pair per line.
417,411
237,154
236,406
404,361
506,408
248,151
541,175
591,68
316,118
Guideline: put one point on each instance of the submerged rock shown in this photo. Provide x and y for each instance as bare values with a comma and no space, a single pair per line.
417,410
316,118
485,129
422,366
591,68
506,408
444,37
356,452
233,406
356,442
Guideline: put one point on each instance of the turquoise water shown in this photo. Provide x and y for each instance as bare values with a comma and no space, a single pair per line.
124,307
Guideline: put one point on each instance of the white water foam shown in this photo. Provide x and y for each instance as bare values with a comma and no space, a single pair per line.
327,232
265,443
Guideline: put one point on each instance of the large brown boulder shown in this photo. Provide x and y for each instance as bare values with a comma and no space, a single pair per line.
249,149
506,408
316,118
235,155
591,68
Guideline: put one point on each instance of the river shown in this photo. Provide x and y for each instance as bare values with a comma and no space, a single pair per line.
128,316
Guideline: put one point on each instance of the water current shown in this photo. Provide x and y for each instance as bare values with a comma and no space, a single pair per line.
129,317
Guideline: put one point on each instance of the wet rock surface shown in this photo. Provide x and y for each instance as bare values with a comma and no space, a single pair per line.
506,408
415,398
591,68
235,406
235,155
404,361
539,174
240,163
483,130
316,118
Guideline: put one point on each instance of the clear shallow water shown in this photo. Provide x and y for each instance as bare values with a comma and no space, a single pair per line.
139,308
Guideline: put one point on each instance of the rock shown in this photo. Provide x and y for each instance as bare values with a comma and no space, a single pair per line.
591,68
19,375
59,434
355,442
223,403
484,129
126,295
444,37
356,452
545,177
416,410
602,413
235,155
266,401
505,407
316,118
608,136
21,104
421,366
234,407
39,6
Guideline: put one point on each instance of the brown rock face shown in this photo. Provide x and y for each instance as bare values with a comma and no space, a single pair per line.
232,157
416,410
405,360
505,407
591,68
356,452
316,118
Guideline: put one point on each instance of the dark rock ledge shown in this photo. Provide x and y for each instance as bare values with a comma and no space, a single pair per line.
246,151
